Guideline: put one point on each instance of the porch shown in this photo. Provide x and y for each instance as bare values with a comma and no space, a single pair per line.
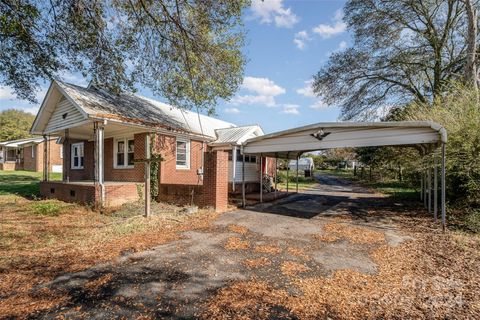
89,192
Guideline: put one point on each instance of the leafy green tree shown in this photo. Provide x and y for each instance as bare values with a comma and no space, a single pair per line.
15,124
403,51
188,51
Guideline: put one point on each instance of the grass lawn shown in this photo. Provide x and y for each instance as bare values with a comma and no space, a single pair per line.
42,239
23,183
303,182
392,187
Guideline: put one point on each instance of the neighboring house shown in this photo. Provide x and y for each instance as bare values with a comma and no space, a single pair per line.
107,137
28,154
304,164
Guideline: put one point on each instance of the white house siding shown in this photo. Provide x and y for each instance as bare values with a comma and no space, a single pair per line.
59,121
251,172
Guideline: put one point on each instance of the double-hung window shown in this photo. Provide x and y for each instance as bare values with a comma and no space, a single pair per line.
124,152
183,154
77,155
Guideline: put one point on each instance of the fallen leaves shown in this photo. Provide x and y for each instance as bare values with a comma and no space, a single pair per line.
238,229
256,263
354,234
235,243
268,249
292,268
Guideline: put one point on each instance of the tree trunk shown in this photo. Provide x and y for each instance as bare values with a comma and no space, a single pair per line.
471,67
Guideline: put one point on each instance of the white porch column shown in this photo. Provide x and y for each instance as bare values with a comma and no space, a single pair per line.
99,160
234,167
45,158
261,178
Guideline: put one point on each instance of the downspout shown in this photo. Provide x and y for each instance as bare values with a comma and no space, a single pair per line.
234,167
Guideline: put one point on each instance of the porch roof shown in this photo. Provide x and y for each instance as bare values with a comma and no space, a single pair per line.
21,142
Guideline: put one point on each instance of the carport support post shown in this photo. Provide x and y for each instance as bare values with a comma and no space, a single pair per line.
261,178
421,184
429,177
288,168
435,187
275,176
297,176
444,213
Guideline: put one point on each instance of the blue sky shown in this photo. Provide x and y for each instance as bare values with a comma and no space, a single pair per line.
286,44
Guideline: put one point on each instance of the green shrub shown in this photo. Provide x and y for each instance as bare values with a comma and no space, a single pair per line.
46,208
459,114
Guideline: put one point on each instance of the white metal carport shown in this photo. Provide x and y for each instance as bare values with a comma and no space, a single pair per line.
290,144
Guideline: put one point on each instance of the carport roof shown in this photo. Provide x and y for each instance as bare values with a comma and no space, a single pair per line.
326,135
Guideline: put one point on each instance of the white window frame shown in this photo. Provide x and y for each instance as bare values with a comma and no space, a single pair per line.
187,155
74,145
125,153
61,151
33,151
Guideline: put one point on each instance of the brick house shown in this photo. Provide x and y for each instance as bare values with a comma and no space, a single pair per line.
28,154
107,137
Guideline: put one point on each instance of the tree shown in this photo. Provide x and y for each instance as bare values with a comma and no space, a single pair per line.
15,124
188,51
471,76
403,51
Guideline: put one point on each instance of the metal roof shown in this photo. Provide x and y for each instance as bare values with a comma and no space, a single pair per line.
326,135
237,135
130,108
20,142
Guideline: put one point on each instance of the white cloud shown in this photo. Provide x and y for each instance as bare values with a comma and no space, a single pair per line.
6,93
301,39
232,110
269,11
262,92
307,91
329,30
291,109
342,45
319,104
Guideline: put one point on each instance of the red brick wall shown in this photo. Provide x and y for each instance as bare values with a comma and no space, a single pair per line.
115,194
169,174
215,182
135,174
79,174
180,194
30,163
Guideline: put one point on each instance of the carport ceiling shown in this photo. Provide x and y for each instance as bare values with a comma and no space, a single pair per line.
291,143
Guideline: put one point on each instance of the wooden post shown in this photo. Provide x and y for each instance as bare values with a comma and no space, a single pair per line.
429,186
147,175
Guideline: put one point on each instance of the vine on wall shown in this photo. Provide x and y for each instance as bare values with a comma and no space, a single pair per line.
156,158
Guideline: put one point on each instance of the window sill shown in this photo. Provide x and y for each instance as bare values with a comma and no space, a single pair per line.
79,168
183,168
123,167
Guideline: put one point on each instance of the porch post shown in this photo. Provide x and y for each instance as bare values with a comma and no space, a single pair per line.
234,167
444,213
45,158
99,163
421,185
435,186
297,175
66,155
261,178
243,181
147,175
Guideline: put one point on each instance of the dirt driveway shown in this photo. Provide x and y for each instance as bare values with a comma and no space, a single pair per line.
311,235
